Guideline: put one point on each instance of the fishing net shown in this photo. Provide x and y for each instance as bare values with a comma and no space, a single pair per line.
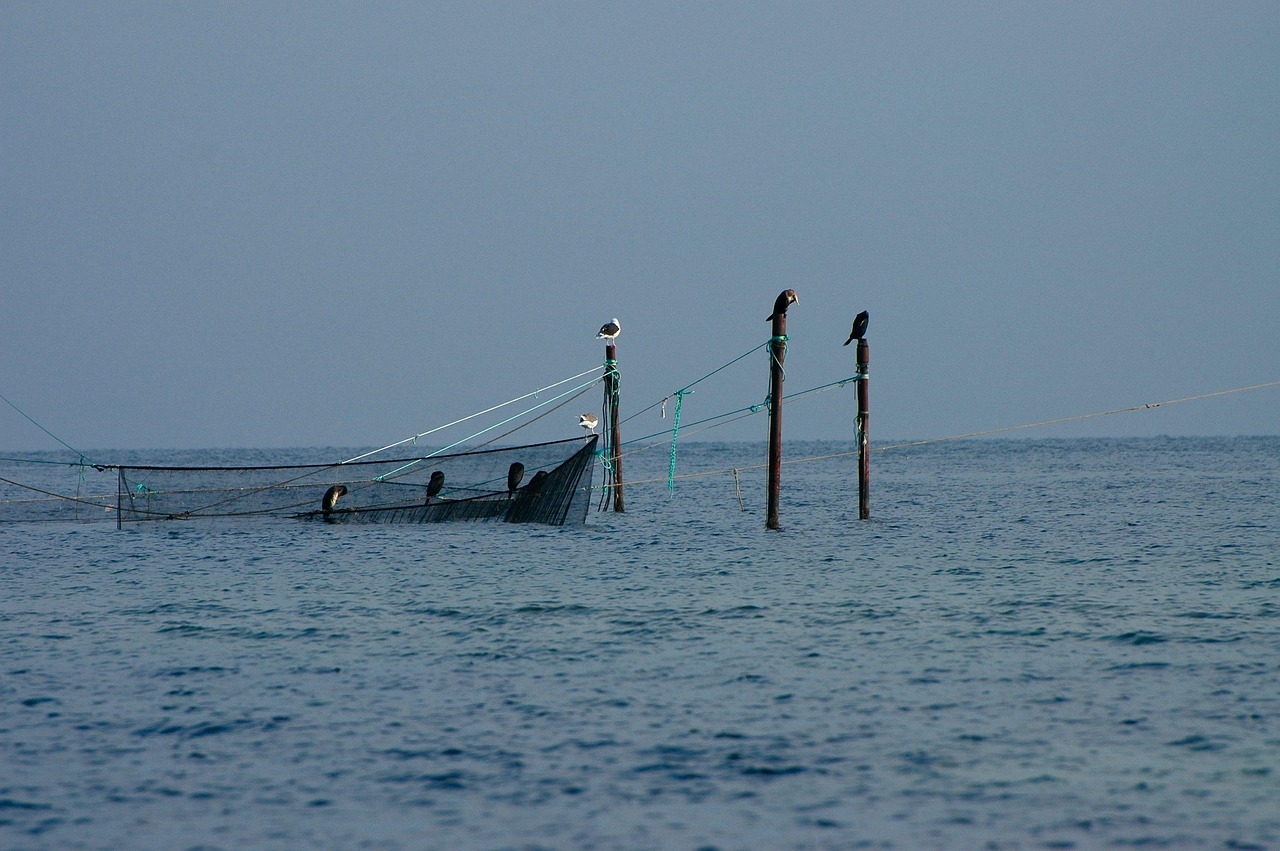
541,483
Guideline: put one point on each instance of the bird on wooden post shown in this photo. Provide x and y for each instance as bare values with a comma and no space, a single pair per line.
610,330
859,327
785,299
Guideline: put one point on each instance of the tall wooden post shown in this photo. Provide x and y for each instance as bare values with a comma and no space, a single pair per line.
612,393
864,453
777,353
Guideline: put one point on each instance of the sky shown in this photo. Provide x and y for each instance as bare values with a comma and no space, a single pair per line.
261,224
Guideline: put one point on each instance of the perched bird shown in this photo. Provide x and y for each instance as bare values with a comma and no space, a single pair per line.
434,486
589,422
859,327
331,497
514,474
535,484
610,330
786,298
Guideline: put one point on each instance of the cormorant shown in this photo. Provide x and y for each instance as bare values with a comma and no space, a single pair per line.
859,327
785,299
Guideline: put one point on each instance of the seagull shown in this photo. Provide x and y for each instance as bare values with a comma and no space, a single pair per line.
786,298
859,327
589,422
610,330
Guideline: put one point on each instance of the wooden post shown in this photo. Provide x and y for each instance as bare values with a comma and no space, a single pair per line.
777,353
864,453
612,393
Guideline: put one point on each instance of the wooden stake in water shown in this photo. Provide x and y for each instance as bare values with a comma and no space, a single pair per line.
777,353
864,415
611,395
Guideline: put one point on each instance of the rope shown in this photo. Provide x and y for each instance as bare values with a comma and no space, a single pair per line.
774,350
675,434
1148,406
582,388
545,413
664,399
415,438
43,429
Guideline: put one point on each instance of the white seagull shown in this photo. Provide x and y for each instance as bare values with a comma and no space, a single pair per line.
610,330
589,422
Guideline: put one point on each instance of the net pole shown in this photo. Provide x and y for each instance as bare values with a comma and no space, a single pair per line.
864,416
777,352
612,394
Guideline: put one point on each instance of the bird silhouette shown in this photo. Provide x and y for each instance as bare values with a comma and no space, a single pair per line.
786,298
434,486
859,327
331,497
514,474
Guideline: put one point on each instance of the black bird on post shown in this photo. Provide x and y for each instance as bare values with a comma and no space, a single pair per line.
514,474
785,299
859,327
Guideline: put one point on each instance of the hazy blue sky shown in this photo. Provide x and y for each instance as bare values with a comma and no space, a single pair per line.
267,224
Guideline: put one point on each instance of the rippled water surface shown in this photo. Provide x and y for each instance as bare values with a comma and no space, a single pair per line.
1032,644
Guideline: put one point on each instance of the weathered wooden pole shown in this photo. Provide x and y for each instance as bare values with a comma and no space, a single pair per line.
864,452
777,353
612,393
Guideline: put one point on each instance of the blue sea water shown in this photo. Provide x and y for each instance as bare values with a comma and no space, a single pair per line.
1031,644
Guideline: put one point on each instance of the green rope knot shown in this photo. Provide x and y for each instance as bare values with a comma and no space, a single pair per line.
675,434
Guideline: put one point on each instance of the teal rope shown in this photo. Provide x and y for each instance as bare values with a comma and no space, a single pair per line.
782,339
754,409
675,434
691,384
42,428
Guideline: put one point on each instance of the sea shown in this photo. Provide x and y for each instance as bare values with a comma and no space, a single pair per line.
1030,644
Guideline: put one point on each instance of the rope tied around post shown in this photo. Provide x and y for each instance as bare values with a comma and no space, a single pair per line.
778,346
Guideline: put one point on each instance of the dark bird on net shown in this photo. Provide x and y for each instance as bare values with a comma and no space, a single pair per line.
434,486
535,484
785,299
610,330
859,327
514,474
331,497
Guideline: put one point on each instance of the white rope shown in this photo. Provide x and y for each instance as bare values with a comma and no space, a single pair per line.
471,416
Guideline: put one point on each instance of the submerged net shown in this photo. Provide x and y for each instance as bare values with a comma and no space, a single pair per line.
541,483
